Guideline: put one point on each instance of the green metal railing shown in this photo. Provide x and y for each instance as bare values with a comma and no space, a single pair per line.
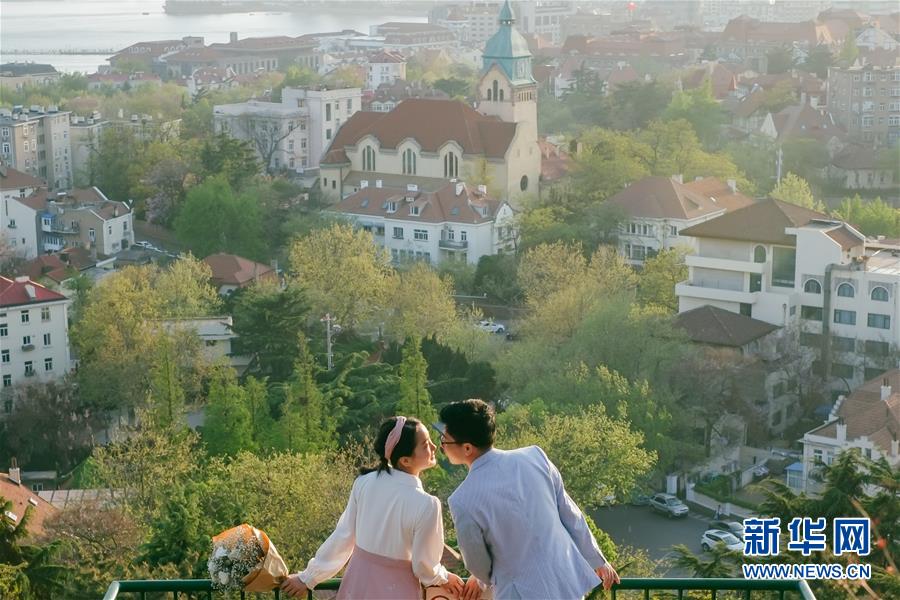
202,588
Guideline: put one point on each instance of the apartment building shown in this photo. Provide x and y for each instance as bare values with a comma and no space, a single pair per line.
295,132
799,269
85,134
37,142
455,223
865,100
18,222
401,36
385,68
18,76
34,335
545,18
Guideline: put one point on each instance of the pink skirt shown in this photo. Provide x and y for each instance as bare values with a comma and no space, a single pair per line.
375,577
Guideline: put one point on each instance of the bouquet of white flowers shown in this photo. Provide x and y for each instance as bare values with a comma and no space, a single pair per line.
243,558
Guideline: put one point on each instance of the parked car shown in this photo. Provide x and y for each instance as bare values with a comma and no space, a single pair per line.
669,505
733,527
639,500
143,244
760,470
716,537
491,327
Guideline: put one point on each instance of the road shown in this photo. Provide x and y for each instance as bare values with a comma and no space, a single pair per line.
641,527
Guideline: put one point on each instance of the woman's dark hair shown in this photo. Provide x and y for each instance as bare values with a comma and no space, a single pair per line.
470,421
406,445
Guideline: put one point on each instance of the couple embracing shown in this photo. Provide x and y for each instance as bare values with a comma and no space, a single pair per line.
517,528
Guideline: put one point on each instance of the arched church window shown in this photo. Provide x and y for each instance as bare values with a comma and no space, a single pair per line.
409,162
495,87
451,165
501,95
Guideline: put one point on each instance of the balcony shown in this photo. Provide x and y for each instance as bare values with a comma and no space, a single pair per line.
54,246
710,290
27,347
724,264
668,587
452,245
57,227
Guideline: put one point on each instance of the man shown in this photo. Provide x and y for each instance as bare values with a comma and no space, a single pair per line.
516,526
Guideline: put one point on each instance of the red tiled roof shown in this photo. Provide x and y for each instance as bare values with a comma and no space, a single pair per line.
721,79
49,266
763,221
387,56
195,54
441,206
745,30
720,327
720,192
431,123
554,162
804,121
15,293
12,179
229,269
662,197
20,495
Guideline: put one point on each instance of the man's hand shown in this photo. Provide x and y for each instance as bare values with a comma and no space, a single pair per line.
293,587
608,575
472,590
454,585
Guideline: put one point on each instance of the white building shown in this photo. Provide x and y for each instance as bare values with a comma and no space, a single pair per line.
217,336
457,222
37,142
545,18
18,221
34,335
872,38
326,111
385,67
658,209
868,421
797,268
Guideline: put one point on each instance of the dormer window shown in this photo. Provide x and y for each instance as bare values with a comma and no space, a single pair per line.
392,207
414,211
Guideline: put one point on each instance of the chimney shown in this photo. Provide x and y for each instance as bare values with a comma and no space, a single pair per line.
116,211
412,187
363,184
482,189
378,183
232,37
732,185
679,178
459,188
15,475
885,389
841,432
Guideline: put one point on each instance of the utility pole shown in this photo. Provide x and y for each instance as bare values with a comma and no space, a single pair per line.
779,159
328,321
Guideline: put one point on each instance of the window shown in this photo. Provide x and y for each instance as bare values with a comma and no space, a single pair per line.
6,149
414,211
451,165
92,234
7,381
327,111
843,344
463,236
48,364
842,370
523,183
673,231
46,339
26,340
845,317
759,254
398,233
45,313
4,356
29,367
420,235
880,294
755,282
7,404
746,309
874,348
409,162
368,158
783,266
812,313
879,321
349,105
25,317
811,340
845,290
391,207
812,287
328,134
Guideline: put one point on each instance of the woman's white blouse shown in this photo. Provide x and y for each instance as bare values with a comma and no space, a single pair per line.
389,515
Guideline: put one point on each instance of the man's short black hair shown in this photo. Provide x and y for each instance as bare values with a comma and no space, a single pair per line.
470,421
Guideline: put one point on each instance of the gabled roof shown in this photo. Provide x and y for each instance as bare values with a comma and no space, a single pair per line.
663,198
22,291
747,105
803,120
763,221
16,69
721,79
719,192
431,123
12,179
745,30
22,499
865,413
196,54
387,56
230,269
720,327
48,265
855,156
441,206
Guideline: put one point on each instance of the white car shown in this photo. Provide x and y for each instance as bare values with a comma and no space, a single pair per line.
491,327
143,244
716,537
733,527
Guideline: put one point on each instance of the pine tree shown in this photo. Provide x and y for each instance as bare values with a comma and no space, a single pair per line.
227,429
166,391
176,534
308,424
415,401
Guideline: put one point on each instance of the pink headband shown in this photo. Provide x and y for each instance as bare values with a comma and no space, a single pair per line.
393,437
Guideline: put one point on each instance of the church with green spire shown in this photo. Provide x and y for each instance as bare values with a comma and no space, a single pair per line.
507,90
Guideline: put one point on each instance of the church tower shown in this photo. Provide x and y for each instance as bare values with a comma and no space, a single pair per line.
507,87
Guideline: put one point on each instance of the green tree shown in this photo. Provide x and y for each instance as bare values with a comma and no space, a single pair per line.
779,60
344,272
216,219
849,51
422,303
658,279
873,217
117,157
308,423
495,276
808,158
232,159
268,319
27,569
818,61
795,190
700,108
608,161
720,563
415,401
637,103
547,268
227,429
177,535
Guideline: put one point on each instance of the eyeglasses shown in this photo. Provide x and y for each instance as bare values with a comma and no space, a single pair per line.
445,442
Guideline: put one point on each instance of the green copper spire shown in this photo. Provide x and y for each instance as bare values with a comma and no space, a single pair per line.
508,49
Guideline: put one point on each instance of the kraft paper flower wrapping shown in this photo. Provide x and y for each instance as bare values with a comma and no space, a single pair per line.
245,554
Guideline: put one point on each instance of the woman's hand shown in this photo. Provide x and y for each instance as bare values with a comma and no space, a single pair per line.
454,585
293,587
472,590
608,575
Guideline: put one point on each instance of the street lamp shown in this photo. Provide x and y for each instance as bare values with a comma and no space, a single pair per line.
330,327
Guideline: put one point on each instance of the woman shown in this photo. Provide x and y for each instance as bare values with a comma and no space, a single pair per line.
391,530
